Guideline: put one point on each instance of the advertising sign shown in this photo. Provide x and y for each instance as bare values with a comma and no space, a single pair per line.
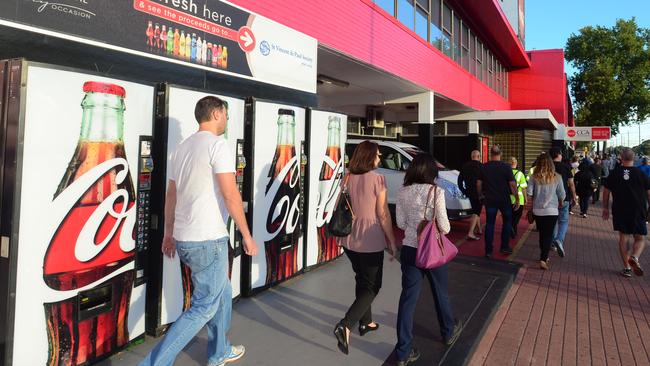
327,136
211,34
278,171
77,217
176,290
588,133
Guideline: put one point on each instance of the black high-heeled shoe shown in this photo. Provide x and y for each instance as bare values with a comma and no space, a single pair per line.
363,329
340,332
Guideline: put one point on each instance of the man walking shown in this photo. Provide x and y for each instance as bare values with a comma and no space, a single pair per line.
645,166
495,185
562,225
522,184
630,189
201,192
597,172
469,174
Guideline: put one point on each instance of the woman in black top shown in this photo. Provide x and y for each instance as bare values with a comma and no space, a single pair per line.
584,186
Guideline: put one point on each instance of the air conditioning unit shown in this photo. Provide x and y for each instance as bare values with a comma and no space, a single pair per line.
375,117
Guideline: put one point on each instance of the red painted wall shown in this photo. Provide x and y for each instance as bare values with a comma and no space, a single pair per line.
364,31
542,86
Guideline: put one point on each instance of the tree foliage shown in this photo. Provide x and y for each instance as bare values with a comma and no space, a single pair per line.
612,84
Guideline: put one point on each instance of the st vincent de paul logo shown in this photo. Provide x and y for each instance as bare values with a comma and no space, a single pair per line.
265,48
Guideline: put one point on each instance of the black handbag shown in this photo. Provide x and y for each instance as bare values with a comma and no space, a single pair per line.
341,222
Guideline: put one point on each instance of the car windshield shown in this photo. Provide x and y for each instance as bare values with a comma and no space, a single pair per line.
414,151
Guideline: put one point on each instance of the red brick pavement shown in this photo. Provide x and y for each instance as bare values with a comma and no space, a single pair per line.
581,312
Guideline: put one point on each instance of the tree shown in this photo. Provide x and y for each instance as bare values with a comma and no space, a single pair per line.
612,84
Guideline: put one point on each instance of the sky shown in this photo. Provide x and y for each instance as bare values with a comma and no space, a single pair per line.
549,23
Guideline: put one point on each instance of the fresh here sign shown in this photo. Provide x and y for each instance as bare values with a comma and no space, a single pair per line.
597,133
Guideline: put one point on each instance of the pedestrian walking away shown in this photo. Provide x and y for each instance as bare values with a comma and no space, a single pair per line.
495,185
416,201
585,183
522,184
571,198
546,193
469,174
201,192
645,166
630,191
365,245
598,173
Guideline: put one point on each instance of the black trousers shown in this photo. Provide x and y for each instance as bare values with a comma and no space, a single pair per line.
596,195
545,226
584,204
368,269
516,217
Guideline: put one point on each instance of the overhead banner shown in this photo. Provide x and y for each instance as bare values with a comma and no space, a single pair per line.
588,133
209,34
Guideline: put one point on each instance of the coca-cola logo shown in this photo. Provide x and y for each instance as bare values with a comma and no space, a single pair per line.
287,208
326,198
86,249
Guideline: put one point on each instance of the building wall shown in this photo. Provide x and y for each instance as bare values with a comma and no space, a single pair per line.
362,30
543,85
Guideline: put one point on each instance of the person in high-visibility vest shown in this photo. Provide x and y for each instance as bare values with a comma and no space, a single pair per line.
522,184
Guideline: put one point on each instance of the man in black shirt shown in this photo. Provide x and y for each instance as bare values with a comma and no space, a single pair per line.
467,178
630,190
562,225
495,184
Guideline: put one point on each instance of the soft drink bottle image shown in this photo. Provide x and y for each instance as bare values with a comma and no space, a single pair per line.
328,188
208,54
149,33
282,251
163,37
74,340
188,46
224,57
181,43
177,43
219,52
170,41
204,52
215,55
199,50
156,36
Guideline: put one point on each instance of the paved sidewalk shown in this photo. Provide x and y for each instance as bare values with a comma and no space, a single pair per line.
581,312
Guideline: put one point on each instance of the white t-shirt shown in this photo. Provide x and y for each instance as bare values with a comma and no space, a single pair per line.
201,213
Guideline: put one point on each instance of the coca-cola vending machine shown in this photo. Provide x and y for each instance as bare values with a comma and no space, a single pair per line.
170,292
327,132
76,180
275,136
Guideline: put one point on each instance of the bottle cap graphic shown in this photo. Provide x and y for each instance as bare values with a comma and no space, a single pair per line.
99,87
287,112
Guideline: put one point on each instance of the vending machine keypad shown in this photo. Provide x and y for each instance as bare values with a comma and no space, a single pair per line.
143,222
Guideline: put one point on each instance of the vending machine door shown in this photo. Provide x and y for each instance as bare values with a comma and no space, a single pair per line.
327,133
76,294
174,123
277,133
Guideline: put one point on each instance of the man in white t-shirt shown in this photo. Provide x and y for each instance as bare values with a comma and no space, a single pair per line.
201,193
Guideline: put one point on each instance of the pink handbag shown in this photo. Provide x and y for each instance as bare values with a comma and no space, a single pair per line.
434,249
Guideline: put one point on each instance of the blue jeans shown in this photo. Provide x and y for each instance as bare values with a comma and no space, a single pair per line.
211,304
411,286
562,226
491,218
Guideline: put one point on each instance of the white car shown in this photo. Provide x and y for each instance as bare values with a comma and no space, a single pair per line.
396,158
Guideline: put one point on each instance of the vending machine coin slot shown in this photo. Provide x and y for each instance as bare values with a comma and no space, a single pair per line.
143,204
95,301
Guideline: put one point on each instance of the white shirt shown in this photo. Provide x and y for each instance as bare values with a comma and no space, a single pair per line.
201,213
411,203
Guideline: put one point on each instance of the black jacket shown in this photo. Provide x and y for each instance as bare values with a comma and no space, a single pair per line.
467,178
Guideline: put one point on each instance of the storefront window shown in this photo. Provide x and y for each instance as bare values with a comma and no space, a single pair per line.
421,23
406,13
388,5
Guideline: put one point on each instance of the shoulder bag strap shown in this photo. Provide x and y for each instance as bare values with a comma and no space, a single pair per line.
426,205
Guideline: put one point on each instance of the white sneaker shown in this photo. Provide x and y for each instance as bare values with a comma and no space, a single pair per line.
236,352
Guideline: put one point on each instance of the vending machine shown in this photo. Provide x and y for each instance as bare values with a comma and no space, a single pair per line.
76,179
327,133
275,184
171,290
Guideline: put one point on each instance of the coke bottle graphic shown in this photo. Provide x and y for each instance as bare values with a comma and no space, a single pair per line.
156,36
163,38
149,33
329,178
284,191
101,222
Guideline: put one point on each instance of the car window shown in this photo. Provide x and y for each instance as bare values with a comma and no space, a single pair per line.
391,159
